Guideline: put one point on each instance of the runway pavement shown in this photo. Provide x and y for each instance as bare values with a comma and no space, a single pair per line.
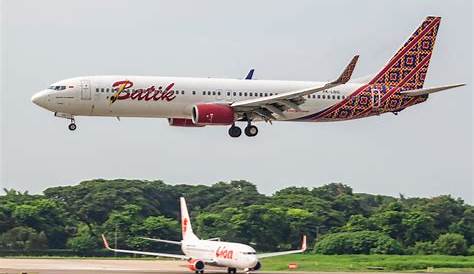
102,266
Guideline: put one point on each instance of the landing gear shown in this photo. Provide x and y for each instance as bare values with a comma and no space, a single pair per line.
235,131
72,126
231,270
251,130
199,271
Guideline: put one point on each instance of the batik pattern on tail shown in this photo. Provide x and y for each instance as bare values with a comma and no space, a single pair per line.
406,70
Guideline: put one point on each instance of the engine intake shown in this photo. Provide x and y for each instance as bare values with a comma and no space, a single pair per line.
195,264
212,114
181,122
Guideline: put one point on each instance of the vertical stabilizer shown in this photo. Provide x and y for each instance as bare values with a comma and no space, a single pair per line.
186,228
408,67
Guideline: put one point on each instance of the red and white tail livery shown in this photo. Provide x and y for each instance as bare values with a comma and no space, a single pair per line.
199,102
199,253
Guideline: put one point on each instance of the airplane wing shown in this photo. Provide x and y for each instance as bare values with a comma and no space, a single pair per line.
424,91
176,256
265,107
161,241
273,254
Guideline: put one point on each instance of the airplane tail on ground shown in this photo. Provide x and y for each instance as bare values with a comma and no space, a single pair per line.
408,67
186,228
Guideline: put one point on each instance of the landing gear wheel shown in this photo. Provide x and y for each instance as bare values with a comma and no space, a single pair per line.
251,131
231,270
235,131
199,271
72,127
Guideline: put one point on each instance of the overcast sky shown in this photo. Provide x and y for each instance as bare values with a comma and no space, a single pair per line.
424,151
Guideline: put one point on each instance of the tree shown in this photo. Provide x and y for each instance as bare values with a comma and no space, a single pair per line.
83,242
451,244
424,248
360,242
23,238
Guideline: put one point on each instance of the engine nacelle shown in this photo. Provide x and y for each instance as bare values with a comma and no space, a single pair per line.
212,114
195,265
181,122
256,267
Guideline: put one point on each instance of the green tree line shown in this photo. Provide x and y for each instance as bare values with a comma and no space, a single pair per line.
336,220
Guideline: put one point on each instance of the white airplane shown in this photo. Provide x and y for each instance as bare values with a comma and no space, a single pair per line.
198,102
199,253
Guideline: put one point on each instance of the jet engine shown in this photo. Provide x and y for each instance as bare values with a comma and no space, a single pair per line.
181,122
256,267
212,114
195,265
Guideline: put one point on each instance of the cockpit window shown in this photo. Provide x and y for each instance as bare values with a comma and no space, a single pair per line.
249,253
57,87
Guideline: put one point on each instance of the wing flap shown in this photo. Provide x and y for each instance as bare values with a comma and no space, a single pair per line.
166,255
424,91
342,79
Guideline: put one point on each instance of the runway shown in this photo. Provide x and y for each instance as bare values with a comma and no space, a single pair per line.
112,266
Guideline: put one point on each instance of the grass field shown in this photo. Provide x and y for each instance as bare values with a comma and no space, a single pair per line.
409,263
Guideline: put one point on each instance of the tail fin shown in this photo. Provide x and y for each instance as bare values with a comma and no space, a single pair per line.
186,228
407,68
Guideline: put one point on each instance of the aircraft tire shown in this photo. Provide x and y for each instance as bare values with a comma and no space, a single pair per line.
235,131
251,131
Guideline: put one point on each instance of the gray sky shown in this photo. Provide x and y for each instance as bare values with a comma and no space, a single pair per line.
425,151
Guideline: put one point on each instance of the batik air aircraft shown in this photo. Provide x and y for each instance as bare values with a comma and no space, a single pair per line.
199,253
199,102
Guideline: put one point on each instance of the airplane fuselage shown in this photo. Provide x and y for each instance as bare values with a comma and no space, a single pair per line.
225,254
174,97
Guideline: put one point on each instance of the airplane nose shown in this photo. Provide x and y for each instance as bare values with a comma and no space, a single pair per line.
39,98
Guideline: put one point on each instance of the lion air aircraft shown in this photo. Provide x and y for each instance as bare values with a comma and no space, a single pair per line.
199,102
200,253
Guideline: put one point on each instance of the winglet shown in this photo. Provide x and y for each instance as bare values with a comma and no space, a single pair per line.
347,73
106,244
249,75
303,244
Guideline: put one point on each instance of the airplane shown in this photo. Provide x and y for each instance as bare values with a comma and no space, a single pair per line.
199,253
199,102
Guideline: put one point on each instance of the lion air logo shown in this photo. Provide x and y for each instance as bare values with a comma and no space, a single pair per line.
122,92
223,252
184,225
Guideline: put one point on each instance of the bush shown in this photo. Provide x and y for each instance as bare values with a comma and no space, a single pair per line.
424,248
470,251
451,244
360,242
23,238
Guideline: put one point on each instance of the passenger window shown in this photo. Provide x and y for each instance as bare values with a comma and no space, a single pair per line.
203,93
261,94
102,90
213,93
271,94
324,96
334,97
240,93
182,92
235,93
245,93
250,94
194,92
228,93
97,90
219,93
319,96
266,94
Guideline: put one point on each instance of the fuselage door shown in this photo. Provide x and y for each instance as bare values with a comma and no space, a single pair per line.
375,98
85,90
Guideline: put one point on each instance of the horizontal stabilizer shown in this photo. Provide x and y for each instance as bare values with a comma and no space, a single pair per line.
424,91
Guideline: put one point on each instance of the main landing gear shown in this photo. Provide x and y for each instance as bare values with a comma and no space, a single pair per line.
231,270
199,271
250,130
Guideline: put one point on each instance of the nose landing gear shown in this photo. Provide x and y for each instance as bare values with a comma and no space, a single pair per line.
72,126
231,270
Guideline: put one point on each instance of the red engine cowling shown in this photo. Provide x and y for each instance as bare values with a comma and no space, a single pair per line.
181,122
195,264
212,114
